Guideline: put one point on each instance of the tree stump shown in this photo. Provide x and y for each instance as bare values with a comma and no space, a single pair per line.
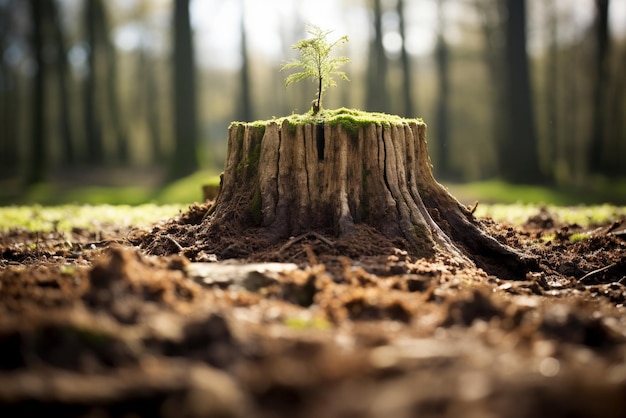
346,169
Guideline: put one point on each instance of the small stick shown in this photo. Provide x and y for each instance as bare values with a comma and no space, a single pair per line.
180,248
473,209
106,242
594,272
303,236
322,238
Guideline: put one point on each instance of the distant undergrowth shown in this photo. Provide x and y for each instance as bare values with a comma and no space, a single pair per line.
582,215
92,217
184,191
67,217
189,190
496,191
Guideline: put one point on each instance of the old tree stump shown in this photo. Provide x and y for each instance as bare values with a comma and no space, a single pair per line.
343,171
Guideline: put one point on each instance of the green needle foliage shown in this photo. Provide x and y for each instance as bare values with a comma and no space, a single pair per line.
316,63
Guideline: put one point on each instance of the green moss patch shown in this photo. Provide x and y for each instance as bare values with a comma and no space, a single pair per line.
68,217
350,119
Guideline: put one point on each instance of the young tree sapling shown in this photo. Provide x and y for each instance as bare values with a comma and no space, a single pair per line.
316,63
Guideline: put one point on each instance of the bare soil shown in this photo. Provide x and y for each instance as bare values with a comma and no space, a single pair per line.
153,323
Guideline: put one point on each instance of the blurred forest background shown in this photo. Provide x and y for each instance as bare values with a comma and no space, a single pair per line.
142,91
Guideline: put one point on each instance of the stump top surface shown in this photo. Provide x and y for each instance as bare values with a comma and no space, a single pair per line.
349,118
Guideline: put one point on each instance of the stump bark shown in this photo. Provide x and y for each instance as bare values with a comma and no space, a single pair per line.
288,176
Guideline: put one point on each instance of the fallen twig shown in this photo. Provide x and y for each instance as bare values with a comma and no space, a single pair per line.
303,236
594,272
103,243
473,208
180,247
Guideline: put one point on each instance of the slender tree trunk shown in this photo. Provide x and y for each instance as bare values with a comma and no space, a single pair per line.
245,101
376,95
153,119
616,125
569,144
493,17
37,150
519,154
9,105
184,87
597,143
317,106
62,72
116,122
407,73
93,123
442,56
9,155
552,92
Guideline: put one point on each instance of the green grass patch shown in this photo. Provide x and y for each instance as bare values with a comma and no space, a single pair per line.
185,190
51,194
92,217
578,237
519,213
497,191
98,195
66,217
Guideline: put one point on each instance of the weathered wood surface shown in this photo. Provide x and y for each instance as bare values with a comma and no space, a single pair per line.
289,179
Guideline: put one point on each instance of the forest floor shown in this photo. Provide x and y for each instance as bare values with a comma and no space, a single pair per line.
97,323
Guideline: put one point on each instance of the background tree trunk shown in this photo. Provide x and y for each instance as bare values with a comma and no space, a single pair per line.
117,125
616,126
93,123
68,156
146,104
442,56
287,179
552,158
185,106
37,166
519,159
407,73
10,101
9,132
244,111
492,14
376,94
569,144
597,144
153,114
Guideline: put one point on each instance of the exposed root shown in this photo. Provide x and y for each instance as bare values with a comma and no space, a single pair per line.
303,236
474,207
596,272
173,241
